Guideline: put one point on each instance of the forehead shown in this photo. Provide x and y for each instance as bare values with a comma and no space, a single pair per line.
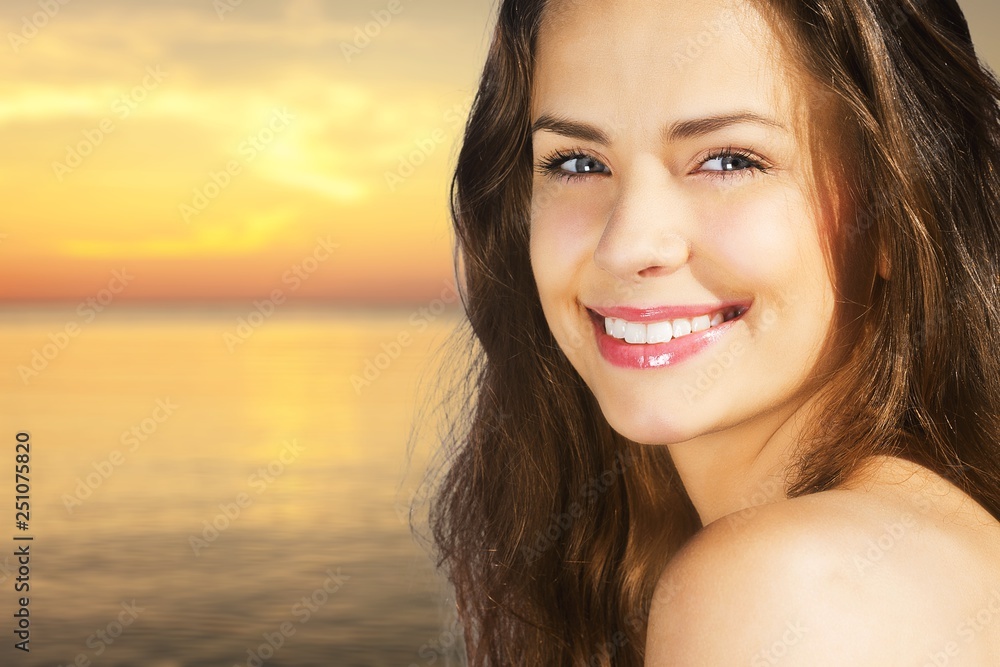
630,60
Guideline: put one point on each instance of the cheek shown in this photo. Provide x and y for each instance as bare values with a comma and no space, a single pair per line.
770,246
768,241
561,240
562,247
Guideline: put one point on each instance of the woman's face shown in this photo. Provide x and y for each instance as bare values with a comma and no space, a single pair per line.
675,205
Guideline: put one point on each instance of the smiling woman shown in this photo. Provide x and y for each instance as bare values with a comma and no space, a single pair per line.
735,310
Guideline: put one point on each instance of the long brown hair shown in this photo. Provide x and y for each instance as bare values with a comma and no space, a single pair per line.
553,528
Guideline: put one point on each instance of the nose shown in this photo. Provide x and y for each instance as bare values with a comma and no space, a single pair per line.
644,236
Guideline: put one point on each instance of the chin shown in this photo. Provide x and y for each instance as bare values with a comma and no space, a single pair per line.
650,424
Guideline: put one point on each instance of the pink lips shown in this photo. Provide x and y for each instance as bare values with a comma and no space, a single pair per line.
631,356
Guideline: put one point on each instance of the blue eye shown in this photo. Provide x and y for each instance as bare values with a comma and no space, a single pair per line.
576,165
570,166
582,165
729,161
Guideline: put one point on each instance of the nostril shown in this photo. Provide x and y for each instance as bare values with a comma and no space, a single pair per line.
654,271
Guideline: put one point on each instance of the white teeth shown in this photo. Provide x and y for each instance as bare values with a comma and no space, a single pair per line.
635,333
682,328
662,332
618,329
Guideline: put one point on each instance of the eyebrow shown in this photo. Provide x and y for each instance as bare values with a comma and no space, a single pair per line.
682,129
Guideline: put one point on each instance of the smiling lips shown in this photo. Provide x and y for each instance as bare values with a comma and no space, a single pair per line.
639,333
657,337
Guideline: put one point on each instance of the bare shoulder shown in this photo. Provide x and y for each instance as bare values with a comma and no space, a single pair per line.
898,574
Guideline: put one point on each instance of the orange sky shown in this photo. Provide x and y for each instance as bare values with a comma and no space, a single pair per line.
224,154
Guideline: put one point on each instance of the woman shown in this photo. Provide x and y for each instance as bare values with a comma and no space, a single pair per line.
731,268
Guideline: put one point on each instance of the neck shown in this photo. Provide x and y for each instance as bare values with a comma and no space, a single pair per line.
729,472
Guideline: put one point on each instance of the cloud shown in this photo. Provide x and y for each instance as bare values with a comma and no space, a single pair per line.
353,122
258,232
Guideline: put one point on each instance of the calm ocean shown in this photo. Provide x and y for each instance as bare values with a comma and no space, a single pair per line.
209,494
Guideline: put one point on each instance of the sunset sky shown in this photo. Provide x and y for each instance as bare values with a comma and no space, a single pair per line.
221,148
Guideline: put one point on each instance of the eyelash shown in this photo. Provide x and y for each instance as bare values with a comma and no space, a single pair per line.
550,166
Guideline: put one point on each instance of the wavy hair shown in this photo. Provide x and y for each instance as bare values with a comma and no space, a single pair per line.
553,528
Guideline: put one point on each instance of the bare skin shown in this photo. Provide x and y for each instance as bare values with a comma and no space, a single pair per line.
700,188
898,569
